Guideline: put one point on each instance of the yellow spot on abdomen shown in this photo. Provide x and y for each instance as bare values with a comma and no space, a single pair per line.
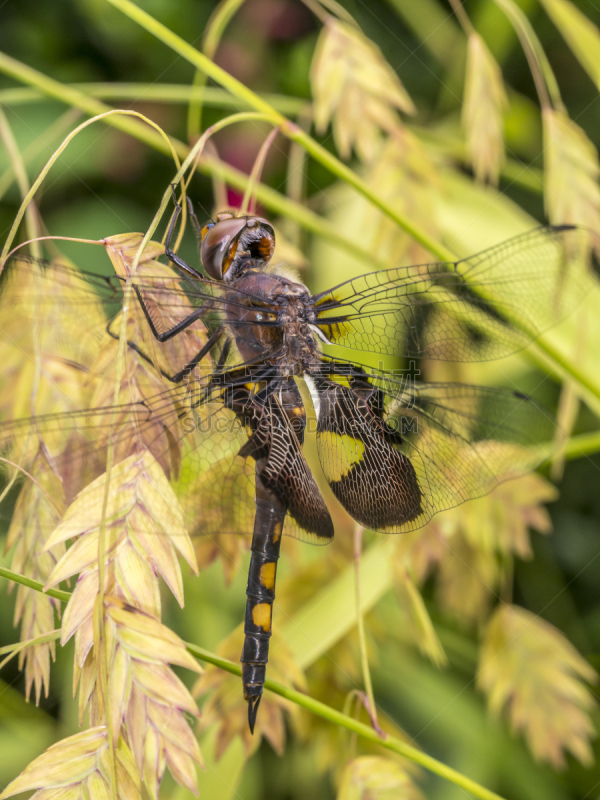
267,575
277,531
261,616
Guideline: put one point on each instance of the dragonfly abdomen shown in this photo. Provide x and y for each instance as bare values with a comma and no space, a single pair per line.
260,592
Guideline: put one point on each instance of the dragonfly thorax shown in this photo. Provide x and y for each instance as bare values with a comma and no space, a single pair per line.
271,316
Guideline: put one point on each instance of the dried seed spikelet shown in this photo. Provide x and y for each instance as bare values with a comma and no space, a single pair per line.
148,698
484,102
353,84
419,629
77,768
467,548
34,300
571,195
143,533
376,778
34,516
408,179
530,671
160,288
141,382
214,522
227,708
50,378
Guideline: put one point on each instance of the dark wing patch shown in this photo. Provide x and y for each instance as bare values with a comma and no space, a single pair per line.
375,483
395,452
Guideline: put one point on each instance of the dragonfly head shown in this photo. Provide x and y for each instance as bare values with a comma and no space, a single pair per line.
232,245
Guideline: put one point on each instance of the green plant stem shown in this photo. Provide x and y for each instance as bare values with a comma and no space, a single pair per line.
583,444
312,705
360,620
269,197
20,173
64,597
157,92
215,28
541,71
39,145
273,200
365,731
288,128
512,170
12,650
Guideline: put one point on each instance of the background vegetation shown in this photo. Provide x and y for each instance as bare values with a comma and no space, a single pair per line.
483,629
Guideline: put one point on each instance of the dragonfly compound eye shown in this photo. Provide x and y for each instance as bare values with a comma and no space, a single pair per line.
219,245
235,243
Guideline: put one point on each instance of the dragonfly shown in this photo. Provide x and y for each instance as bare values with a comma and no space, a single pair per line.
237,340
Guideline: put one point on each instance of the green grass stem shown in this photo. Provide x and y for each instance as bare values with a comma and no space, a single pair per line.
288,128
312,705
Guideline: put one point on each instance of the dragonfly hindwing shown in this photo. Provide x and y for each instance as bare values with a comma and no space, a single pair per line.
374,482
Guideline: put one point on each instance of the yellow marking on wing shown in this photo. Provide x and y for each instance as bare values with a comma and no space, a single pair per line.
326,299
345,450
267,575
261,616
256,387
298,411
336,330
341,380
277,528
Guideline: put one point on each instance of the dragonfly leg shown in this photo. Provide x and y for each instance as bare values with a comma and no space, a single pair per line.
194,218
171,254
178,376
266,541
181,326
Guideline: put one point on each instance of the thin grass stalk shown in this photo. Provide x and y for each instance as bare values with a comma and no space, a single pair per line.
170,93
38,181
317,9
215,28
219,185
288,128
541,71
461,16
58,127
270,198
64,597
295,186
17,647
20,173
248,201
365,731
360,624
18,469
337,9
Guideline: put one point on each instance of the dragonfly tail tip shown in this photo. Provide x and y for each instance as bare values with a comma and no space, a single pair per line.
253,704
